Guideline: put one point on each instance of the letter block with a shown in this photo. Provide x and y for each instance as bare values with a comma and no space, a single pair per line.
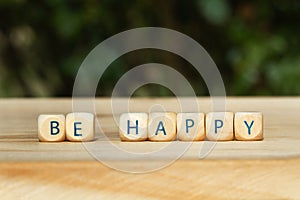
133,126
80,127
162,126
248,126
219,126
190,126
51,128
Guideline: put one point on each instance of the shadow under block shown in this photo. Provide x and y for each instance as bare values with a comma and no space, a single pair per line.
191,126
162,126
219,126
248,126
51,128
133,126
80,127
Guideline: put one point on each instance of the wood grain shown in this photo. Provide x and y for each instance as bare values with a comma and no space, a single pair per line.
267,169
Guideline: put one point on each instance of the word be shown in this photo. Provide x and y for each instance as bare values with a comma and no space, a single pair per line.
216,126
73,127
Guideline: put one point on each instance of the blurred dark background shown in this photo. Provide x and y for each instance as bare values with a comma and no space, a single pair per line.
255,44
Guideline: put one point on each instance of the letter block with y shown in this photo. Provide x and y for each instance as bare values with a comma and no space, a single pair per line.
80,126
248,126
133,126
51,128
162,126
219,126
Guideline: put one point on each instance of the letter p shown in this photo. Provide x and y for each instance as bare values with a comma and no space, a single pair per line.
218,124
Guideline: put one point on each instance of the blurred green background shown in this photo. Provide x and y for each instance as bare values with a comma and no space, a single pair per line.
255,44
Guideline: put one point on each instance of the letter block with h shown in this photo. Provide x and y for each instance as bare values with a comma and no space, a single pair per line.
133,126
51,128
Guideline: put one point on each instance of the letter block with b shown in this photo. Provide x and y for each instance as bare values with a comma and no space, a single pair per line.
248,126
133,126
51,128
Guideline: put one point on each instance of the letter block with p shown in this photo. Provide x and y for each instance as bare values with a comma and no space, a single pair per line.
191,126
219,126
51,128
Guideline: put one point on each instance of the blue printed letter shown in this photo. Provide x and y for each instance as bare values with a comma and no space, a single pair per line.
188,126
136,126
52,126
249,127
160,127
76,129
220,122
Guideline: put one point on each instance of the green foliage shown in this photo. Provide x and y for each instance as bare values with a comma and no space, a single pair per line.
255,44
215,11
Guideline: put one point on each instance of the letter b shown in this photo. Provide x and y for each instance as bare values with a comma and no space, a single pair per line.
54,128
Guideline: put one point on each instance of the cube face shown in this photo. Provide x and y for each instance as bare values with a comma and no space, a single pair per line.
80,127
219,126
51,128
162,127
248,126
133,126
191,126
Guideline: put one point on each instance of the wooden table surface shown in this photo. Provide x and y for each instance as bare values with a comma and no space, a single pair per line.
268,169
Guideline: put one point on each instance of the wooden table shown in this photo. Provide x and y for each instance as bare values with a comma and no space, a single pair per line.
268,169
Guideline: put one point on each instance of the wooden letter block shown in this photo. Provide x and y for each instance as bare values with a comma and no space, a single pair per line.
51,128
162,127
133,126
80,127
190,126
248,126
219,126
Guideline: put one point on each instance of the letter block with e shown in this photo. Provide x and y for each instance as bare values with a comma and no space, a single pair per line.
51,128
248,126
133,126
219,126
80,126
